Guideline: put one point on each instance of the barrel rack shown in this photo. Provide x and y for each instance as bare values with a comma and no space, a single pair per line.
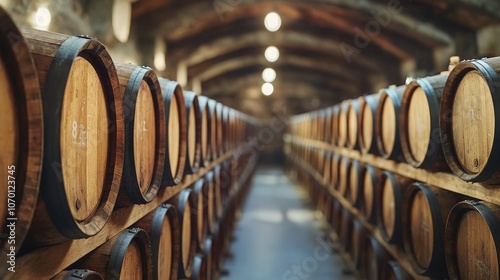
443,180
46,262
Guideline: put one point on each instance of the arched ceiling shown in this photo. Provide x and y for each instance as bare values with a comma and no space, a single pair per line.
329,49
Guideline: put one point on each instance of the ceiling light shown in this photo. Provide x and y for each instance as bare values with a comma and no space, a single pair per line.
272,21
272,54
269,75
42,18
267,89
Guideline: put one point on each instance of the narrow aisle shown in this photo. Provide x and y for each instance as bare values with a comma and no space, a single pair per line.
278,236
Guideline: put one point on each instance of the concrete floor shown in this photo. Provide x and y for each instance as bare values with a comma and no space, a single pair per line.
279,235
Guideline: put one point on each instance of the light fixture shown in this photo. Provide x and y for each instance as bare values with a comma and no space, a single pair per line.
42,18
159,57
272,53
267,89
272,21
269,75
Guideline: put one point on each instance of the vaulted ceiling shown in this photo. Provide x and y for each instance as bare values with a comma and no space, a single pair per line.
329,49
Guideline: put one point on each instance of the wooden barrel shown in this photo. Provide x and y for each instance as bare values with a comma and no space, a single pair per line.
220,128
226,128
211,219
394,271
468,120
375,258
368,202
145,141
83,135
346,231
472,241
389,202
419,123
125,256
424,216
335,124
176,127
342,124
77,274
387,123
209,254
335,166
355,184
345,165
184,202
337,217
162,225
21,133
366,123
199,268
200,190
213,113
352,124
359,238
217,192
193,117
205,131
327,137
327,168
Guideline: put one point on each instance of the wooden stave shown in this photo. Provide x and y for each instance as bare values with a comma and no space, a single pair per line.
328,125
220,128
75,274
152,224
29,122
192,103
335,124
354,106
200,190
169,89
50,82
372,102
184,201
355,189
335,167
343,188
359,237
204,111
219,209
342,124
214,127
130,77
381,258
433,87
346,232
395,96
398,184
487,67
491,215
212,221
107,259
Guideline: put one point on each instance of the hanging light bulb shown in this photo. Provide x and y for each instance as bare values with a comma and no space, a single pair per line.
42,18
272,21
272,53
268,75
267,89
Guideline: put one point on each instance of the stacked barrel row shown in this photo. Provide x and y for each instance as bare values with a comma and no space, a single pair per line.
95,136
186,237
442,123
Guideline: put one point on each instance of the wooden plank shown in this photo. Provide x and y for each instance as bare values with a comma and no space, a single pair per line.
447,181
46,262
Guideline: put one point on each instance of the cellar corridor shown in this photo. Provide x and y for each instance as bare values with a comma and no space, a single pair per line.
278,231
